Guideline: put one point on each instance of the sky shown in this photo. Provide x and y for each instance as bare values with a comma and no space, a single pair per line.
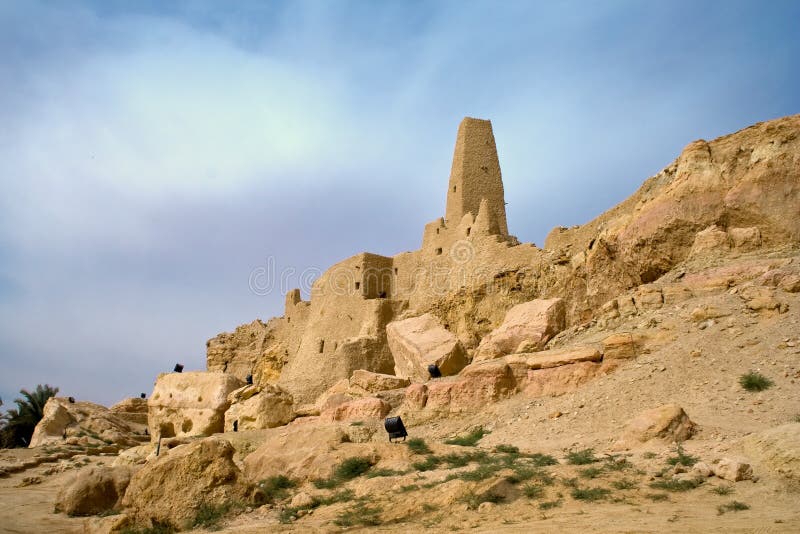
155,154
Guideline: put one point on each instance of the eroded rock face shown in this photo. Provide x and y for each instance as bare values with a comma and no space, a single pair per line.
777,448
531,323
132,410
93,490
668,423
374,382
190,403
63,420
170,489
420,341
256,407
357,410
733,469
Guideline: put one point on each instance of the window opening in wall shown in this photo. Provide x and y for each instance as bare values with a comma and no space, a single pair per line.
437,230
321,345
454,189
438,251
358,285
382,295
395,270
469,230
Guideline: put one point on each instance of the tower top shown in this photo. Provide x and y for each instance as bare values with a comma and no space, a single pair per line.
475,176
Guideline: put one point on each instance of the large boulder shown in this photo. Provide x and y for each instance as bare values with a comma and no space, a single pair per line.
258,407
190,404
667,423
63,419
357,410
374,382
421,341
477,385
529,326
777,448
93,490
170,489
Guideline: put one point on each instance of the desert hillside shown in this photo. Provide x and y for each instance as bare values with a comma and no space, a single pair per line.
640,373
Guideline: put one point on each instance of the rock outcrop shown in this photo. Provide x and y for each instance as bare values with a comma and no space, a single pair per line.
668,423
190,403
527,327
169,490
258,407
778,449
421,341
93,490
63,420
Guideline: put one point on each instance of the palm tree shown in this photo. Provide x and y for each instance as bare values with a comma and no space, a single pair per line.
20,421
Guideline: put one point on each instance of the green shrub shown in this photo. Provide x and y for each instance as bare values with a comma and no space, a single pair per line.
542,460
431,462
347,470
418,446
733,506
359,514
521,474
473,500
276,487
582,457
754,381
624,483
533,491
209,516
722,490
590,494
468,440
410,487
657,497
456,460
384,473
682,458
482,472
507,449
591,472
649,455
673,484
548,505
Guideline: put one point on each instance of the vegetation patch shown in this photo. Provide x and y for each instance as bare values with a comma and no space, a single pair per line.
359,514
347,470
384,473
542,460
657,497
533,491
722,490
468,440
733,506
418,446
754,381
681,458
155,529
507,449
473,500
624,484
431,462
591,472
410,487
582,457
590,494
209,516
673,484
549,505
276,488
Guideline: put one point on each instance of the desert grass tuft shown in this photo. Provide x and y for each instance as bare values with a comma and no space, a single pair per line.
590,494
468,440
581,457
733,506
754,381
418,446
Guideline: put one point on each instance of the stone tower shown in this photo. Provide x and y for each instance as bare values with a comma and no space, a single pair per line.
475,177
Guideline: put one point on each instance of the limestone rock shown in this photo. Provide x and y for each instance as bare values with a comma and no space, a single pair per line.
132,410
558,357
268,408
169,489
622,345
301,452
477,385
777,448
63,418
251,349
93,490
733,469
712,239
302,500
534,322
357,410
190,403
420,341
701,470
745,238
374,382
668,423
556,381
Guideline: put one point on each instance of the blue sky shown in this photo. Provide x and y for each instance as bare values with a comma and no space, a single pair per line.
155,153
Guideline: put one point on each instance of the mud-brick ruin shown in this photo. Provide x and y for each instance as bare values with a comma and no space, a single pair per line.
623,336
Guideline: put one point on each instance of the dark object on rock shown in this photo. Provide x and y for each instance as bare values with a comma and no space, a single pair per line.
434,371
178,368
394,426
142,396
71,400
249,379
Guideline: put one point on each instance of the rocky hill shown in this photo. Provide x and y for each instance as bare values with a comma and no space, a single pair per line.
638,373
